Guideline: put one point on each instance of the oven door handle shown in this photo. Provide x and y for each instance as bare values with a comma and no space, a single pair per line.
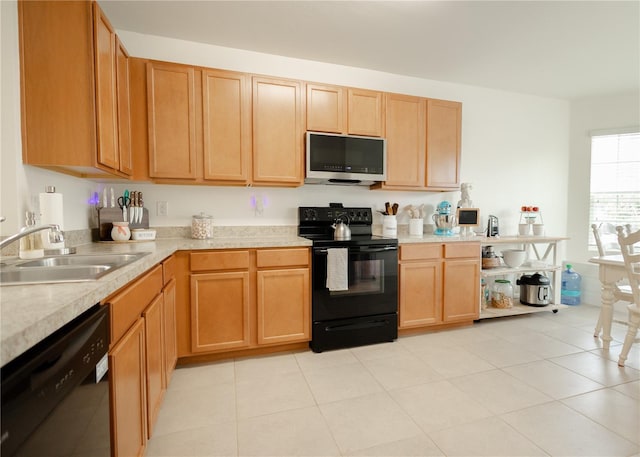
379,249
362,249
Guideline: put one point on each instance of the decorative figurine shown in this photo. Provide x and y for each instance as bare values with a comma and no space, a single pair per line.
465,198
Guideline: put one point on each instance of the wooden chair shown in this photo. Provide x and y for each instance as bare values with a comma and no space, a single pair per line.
607,243
631,258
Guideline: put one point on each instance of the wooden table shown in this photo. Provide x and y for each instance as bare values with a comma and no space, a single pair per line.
611,269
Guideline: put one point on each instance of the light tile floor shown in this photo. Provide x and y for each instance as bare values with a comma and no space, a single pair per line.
528,385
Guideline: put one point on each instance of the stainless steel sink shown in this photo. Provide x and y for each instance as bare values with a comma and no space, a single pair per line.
80,260
72,268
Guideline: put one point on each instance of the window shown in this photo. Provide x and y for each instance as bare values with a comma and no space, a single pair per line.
615,181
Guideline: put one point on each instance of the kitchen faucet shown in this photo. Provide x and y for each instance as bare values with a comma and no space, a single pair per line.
55,236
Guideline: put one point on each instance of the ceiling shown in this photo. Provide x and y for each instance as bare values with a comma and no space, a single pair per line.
560,49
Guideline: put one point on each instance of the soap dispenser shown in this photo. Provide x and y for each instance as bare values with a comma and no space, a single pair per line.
31,245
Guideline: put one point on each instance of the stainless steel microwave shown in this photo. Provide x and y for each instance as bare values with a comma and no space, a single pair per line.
345,159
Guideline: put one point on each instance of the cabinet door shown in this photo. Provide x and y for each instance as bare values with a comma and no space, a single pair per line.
444,125
172,121
461,289
128,393
406,147
420,293
106,95
365,113
124,109
219,311
277,132
170,342
326,108
283,305
154,346
227,126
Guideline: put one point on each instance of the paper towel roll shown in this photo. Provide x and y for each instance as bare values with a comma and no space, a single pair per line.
51,212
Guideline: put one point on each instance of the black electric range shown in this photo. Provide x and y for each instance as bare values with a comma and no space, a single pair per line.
365,310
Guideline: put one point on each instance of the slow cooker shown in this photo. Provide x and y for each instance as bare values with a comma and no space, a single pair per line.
535,290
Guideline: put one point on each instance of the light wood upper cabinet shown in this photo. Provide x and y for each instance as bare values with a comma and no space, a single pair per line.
336,109
406,141
278,135
125,155
444,133
171,98
365,112
227,126
106,93
326,108
69,89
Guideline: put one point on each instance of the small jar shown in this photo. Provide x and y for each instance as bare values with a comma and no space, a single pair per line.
120,231
202,226
502,294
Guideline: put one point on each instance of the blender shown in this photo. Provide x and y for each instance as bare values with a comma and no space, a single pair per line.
444,220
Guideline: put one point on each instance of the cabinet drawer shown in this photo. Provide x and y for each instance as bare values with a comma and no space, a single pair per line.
168,270
458,250
222,260
282,257
127,305
420,251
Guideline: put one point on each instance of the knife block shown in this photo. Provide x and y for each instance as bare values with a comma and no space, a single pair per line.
106,216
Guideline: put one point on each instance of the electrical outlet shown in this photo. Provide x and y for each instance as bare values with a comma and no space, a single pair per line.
162,208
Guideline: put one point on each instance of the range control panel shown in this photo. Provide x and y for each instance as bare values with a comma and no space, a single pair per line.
319,214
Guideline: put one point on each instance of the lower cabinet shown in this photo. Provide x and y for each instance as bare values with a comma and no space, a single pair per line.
128,393
170,343
438,283
154,340
142,356
283,305
245,299
220,311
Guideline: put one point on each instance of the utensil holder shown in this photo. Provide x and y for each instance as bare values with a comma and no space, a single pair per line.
389,226
416,227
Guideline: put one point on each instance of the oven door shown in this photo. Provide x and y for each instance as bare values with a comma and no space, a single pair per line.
373,284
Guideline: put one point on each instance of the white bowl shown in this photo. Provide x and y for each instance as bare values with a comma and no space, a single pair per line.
514,257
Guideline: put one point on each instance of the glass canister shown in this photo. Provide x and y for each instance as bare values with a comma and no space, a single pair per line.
502,294
484,294
202,226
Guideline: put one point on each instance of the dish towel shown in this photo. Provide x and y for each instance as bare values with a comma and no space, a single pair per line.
337,273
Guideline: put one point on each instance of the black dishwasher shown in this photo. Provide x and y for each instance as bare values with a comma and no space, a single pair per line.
55,396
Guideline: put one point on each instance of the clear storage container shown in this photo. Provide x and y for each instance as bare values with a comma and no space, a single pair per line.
502,294
202,226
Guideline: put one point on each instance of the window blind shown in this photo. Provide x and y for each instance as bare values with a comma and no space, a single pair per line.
615,181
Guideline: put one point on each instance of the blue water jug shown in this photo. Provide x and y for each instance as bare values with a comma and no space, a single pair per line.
571,283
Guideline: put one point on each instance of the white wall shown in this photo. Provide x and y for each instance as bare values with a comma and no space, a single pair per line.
515,148
588,114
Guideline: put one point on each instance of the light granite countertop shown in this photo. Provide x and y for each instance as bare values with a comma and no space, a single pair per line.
30,313
515,239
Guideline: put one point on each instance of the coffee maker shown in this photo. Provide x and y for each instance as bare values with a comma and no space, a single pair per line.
492,226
